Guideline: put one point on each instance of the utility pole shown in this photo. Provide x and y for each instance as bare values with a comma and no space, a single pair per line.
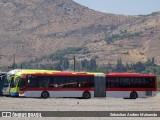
37,65
14,61
21,66
74,63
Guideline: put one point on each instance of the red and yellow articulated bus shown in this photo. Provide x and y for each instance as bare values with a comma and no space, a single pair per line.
130,85
88,85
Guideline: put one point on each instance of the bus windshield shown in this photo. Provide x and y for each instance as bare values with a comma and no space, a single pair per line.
12,84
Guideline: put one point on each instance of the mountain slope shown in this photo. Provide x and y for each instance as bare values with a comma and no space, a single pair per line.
34,28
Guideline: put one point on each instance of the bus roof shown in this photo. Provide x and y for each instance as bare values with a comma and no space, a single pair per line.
2,73
36,71
61,73
127,74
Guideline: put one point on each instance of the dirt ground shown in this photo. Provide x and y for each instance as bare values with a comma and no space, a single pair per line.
74,104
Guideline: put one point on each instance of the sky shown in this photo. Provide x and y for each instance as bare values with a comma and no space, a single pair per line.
125,7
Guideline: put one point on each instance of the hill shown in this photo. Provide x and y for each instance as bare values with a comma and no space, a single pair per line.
32,29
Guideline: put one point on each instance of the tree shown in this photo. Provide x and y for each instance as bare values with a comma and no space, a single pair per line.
93,64
150,62
119,66
153,61
85,63
109,67
57,66
139,67
65,64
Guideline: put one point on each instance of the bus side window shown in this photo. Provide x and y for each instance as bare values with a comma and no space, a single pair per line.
51,82
71,82
126,82
121,82
149,83
46,81
108,82
143,83
116,82
112,82
43,81
59,81
33,81
55,85
86,81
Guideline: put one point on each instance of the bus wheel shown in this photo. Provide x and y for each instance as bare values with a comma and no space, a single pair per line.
86,95
133,95
44,94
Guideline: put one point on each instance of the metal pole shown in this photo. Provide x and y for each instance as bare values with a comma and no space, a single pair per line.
21,66
74,63
14,61
37,64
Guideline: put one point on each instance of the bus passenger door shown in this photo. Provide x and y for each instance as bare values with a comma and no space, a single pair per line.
99,86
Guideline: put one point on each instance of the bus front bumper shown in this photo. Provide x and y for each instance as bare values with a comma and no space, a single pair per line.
14,94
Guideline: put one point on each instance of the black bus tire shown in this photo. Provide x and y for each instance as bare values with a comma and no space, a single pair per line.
44,94
86,95
133,95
